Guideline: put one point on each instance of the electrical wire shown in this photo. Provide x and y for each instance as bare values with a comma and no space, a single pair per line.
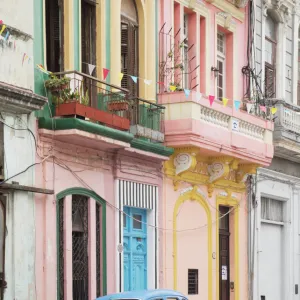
84,183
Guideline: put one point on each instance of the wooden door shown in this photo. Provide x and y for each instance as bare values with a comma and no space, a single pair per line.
224,253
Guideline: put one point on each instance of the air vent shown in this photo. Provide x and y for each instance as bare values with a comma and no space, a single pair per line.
193,281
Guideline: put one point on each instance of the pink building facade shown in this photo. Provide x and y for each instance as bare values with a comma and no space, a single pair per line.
219,141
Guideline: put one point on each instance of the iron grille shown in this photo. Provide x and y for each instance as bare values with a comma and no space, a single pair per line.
61,249
80,247
193,281
98,249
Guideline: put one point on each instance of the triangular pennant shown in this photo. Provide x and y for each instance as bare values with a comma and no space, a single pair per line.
2,29
249,107
187,92
1,22
148,82
172,88
211,99
91,68
105,73
24,56
237,104
273,110
263,108
134,78
198,96
160,82
225,101
121,76
7,35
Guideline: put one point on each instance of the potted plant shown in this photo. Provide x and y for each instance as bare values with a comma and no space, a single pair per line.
117,103
55,84
178,87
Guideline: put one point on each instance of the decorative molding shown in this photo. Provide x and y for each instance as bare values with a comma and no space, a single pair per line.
228,8
223,172
281,9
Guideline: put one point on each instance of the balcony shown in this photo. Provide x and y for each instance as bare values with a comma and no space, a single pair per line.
216,130
287,131
85,110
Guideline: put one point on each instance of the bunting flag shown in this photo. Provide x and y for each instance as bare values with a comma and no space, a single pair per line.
237,104
1,22
160,82
263,108
91,68
23,59
211,99
2,29
7,35
225,101
198,96
172,88
105,73
42,69
148,82
187,93
134,78
273,110
249,107
121,76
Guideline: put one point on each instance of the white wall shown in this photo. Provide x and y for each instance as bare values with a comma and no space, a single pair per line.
20,152
276,246
17,14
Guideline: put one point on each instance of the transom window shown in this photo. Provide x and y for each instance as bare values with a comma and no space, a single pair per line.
221,60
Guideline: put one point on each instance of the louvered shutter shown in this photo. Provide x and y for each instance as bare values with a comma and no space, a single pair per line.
53,36
129,55
269,82
124,54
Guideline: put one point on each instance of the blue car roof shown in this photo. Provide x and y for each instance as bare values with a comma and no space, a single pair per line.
143,295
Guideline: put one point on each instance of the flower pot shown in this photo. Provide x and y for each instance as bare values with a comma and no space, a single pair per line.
57,89
75,109
117,106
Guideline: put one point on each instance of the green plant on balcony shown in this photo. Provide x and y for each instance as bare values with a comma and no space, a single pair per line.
179,66
117,103
85,98
66,96
55,84
178,87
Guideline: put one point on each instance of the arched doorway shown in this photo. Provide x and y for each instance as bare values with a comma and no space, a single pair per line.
81,229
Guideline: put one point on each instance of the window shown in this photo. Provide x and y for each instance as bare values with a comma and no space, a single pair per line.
271,209
270,58
185,73
54,35
129,45
137,221
221,61
88,35
192,281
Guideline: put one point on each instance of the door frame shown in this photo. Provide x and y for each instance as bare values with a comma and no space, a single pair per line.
231,203
152,235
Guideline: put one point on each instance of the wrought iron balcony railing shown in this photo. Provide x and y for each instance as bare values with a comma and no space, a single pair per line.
89,98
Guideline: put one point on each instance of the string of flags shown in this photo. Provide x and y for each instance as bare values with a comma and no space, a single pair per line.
10,41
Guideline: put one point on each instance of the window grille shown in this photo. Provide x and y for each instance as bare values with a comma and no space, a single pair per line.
193,281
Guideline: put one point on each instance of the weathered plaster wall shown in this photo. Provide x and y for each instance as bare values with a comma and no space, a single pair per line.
17,14
19,150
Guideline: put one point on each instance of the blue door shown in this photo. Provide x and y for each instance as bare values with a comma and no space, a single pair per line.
135,249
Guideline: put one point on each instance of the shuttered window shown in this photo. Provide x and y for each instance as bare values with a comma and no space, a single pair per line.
129,45
270,59
193,281
88,35
54,50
